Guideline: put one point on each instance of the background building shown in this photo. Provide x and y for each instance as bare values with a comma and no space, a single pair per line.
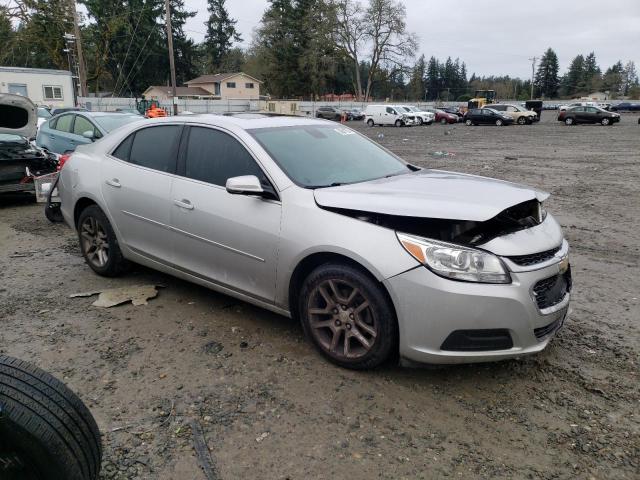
228,85
53,88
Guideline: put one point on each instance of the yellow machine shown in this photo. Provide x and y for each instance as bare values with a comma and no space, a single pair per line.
482,98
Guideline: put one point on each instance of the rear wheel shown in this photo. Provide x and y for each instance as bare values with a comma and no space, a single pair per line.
605,121
499,122
420,121
98,243
46,432
568,121
348,317
370,122
443,121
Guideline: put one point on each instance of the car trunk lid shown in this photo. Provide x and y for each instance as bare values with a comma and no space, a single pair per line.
18,116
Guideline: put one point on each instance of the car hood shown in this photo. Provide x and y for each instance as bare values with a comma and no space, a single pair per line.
430,194
18,115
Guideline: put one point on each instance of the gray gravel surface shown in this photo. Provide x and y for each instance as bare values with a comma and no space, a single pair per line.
269,407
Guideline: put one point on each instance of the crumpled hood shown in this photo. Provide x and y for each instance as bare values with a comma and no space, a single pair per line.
18,116
430,194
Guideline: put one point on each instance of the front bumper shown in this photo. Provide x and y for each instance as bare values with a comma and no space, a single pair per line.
431,308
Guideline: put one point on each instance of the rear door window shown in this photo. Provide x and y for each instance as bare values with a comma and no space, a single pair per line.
156,147
213,156
82,125
64,123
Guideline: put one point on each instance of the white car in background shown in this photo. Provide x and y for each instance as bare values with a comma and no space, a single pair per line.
387,115
422,117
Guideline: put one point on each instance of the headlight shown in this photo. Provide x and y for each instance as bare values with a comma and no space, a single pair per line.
455,261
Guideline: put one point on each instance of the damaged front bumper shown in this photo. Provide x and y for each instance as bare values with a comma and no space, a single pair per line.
446,322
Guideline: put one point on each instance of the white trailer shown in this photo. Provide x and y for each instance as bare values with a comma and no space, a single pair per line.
51,88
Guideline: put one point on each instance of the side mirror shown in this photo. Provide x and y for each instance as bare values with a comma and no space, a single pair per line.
244,185
88,134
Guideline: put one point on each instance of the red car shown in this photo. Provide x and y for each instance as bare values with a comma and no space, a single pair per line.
443,117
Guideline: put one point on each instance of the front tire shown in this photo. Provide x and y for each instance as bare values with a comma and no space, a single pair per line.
398,123
605,121
522,120
568,121
46,432
443,121
98,243
348,317
370,122
468,122
499,123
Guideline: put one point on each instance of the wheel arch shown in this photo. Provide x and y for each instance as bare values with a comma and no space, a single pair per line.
310,262
81,204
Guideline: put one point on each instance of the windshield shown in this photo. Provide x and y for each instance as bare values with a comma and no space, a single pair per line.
407,109
315,156
44,113
111,122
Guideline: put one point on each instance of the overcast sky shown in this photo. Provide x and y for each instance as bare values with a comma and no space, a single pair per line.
494,36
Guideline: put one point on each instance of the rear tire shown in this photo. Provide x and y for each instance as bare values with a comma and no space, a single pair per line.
420,121
443,121
348,317
46,432
98,243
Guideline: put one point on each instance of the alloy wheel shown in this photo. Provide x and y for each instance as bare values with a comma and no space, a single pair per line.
95,244
342,319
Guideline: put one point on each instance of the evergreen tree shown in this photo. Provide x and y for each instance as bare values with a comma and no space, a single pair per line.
613,79
221,33
592,73
630,77
417,81
547,81
573,80
433,79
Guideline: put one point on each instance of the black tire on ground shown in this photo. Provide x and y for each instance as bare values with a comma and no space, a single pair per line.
568,121
468,122
399,123
606,121
46,432
522,120
370,122
499,122
443,121
379,315
115,263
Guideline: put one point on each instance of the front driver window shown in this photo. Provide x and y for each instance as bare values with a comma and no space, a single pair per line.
214,157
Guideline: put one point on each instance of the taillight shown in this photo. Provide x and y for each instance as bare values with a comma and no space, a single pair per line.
62,159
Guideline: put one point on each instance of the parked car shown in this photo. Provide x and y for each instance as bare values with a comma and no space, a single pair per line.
58,111
519,114
387,115
43,115
626,107
453,111
372,255
63,133
420,117
577,104
20,161
355,114
443,117
131,111
576,115
329,113
487,116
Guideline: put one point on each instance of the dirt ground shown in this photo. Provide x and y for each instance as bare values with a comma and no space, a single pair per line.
269,407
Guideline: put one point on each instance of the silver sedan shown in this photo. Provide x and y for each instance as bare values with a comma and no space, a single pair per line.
379,259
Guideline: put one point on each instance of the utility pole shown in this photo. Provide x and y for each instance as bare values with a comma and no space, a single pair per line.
172,65
533,73
82,74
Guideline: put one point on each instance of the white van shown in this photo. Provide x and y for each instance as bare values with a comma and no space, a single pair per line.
386,115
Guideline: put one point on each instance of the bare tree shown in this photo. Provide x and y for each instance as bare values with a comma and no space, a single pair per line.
380,29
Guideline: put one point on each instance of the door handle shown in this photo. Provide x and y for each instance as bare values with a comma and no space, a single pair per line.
184,203
114,183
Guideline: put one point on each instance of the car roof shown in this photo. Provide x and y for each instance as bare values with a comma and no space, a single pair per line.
245,120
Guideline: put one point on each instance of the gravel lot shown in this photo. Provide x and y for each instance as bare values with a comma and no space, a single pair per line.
269,407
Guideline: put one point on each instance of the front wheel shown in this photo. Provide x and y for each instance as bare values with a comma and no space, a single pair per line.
522,121
568,121
499,122
468,122
443,121
348,317
398,123
605,121
98,243
370,122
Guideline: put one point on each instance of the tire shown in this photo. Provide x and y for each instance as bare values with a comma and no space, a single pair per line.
375,323
46,432
443,121
420,121
499,123
110,263
468,122
605,122
398,123
522,120
370,122
568,121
